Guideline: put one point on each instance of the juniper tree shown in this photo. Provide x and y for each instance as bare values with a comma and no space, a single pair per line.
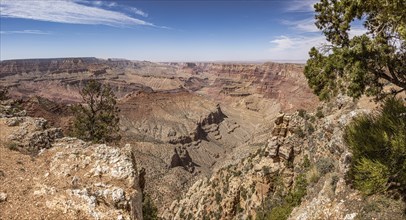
365,63
97,118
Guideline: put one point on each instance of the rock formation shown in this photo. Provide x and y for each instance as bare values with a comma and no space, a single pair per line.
68,178
203,140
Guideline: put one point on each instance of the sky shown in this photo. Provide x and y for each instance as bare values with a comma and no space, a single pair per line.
164,30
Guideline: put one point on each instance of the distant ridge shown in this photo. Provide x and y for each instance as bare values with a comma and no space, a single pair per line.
57,58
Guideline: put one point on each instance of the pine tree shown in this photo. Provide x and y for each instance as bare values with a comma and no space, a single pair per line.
97,118
365,63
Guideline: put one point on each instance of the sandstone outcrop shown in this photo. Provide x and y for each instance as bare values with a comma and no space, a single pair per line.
68,179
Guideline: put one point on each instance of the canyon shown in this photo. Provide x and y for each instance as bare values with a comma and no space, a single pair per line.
210,138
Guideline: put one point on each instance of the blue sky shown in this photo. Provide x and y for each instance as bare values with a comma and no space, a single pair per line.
162,30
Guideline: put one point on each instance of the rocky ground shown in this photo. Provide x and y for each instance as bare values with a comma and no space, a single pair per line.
44,175
68,182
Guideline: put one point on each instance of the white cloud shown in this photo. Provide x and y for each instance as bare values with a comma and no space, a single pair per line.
294,48
25,32
357,31
98,3
66,11
298,47
305,25
301,6
112,4
139,12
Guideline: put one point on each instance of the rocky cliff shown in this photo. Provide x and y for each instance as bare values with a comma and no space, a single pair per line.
300,150
64,178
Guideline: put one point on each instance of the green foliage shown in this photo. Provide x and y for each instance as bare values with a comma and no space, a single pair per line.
334,181
302,113
324,165
280,212
312,119
3,93
280,208
371,177
97,119
298,131
313,175
243,193
12,145
309,127
306,162
295,196
319,114
265,170
149,210
218,197
363,63
378,144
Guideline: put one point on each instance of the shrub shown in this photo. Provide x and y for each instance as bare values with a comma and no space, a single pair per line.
313,175
280,212
295,196
306,162
280,208
312,119
265,170
310,128
334,181
324,166
319,114
372,177
302,113
299,132
149,210
218,197
3,93
12,146
378,145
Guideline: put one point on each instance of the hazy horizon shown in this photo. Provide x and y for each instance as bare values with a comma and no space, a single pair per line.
172,61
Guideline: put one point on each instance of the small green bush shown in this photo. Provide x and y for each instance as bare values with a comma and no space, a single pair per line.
299,132
280,212
218,197
280,208
12,146
149,210
3,93
295,196
334,181
324,165
372,177
378,145
302,113
312,119
319,114
306,162
310,128
265,170
313,175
